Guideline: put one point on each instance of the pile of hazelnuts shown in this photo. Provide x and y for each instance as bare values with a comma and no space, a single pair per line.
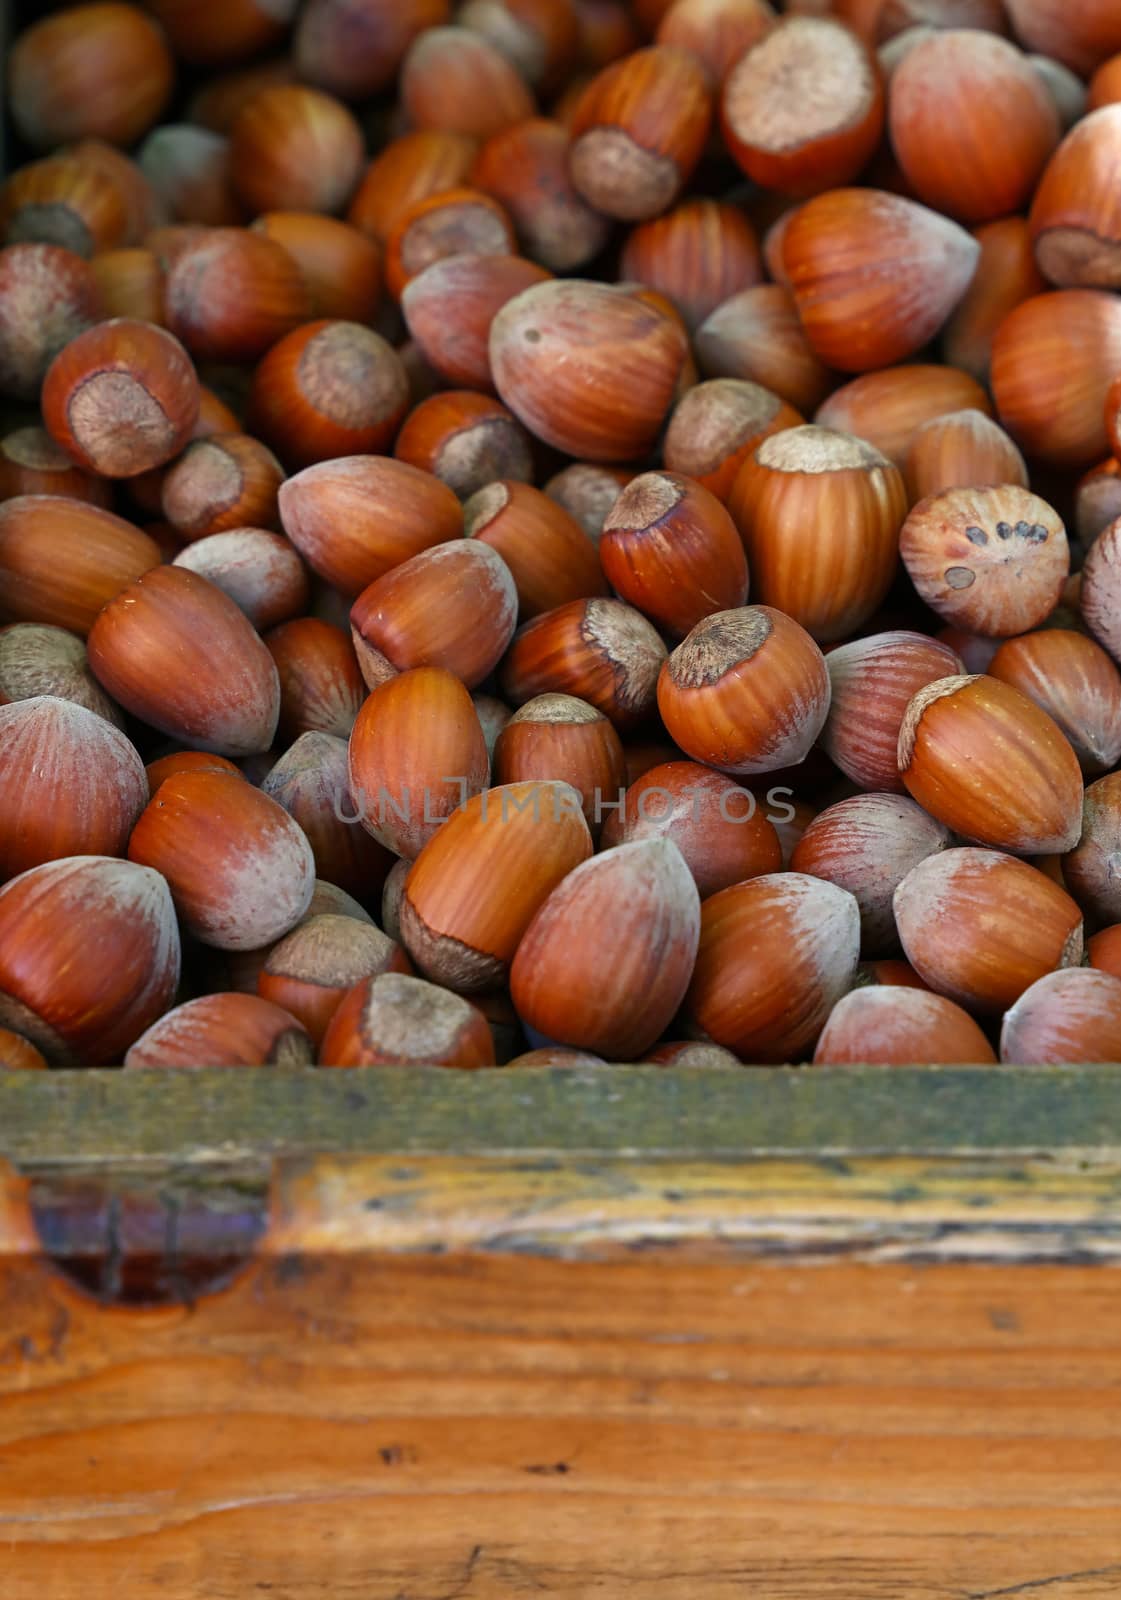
558,532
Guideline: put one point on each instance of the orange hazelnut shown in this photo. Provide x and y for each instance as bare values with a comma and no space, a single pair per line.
260,571
62,560
588,368
607,31
178,653
1105,85
716,425
775,956
187,761
402,790
551,558
981,927
541,38
587,490
1071,678
671,550
121,398
295,148
144,208
1080,36
1101,586
424,162
473,890
216,102
311,971
18,1054
321,688
240,870
721,830
1069,1016
450,306
454,80
225,480
874,275
216,36
398,1021
80,1000
1075,215
553,1055
887,408
355,519
466,440
130,284
867,845
1103,951
638,131
972,123
224,1030
340,265
961,450
328,389
47,296
452,222
231,294
747,691
1006,275
689,1053
697,255
32,463
991,560
91,71
803,108
601,651
453,606
354,47
989,763
71,784
558,736
819,513
169,242
605,962
1053,359
717,32
311,781
36,659
393,893
525,168
756,335
1089,870
63,201
189,169
873,681
896,1027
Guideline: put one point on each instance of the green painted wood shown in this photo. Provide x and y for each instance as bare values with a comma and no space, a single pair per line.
77,1119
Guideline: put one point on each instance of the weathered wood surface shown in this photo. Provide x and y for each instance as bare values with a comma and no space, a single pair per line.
898,1208
73,1118
470,1427
630,1336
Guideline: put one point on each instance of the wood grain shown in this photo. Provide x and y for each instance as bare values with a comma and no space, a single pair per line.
98,1117
410,1427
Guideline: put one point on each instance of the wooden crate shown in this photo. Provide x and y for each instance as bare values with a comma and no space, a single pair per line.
636,1333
